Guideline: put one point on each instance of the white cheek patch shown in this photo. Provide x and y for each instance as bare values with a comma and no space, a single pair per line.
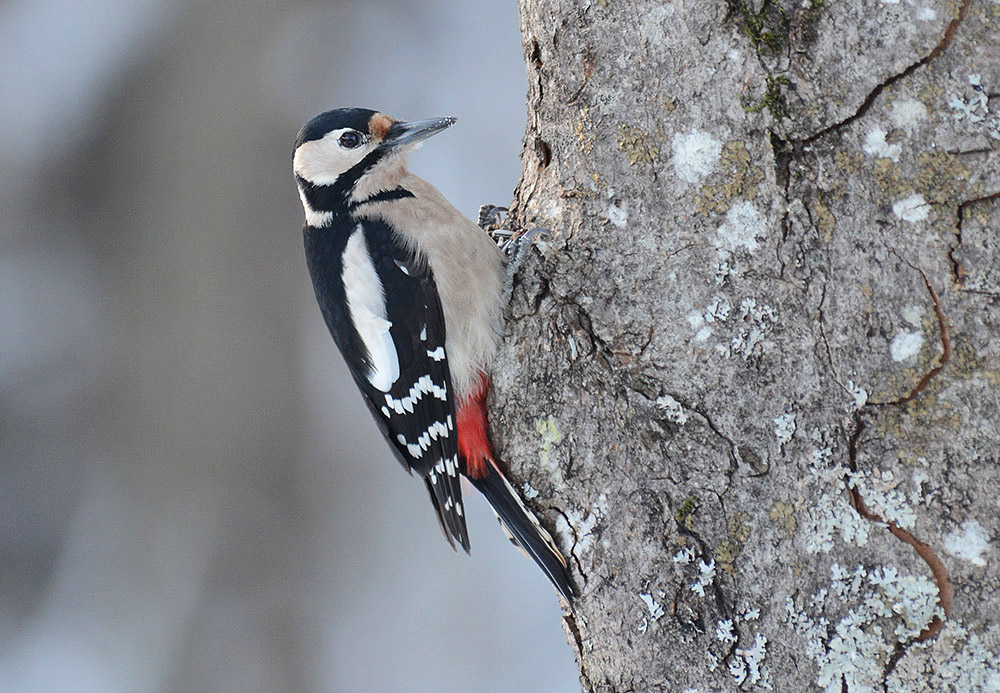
322,161
366,305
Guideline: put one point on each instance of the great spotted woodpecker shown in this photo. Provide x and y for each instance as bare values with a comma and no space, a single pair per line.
410,290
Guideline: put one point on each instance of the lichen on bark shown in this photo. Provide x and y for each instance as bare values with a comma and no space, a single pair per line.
767,338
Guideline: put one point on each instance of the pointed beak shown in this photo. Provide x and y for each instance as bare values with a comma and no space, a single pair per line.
401,134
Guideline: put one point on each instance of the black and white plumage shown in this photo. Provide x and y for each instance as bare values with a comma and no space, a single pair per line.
410,290
371,283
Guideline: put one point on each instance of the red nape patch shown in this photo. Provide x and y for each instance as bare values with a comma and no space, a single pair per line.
473,440
379,124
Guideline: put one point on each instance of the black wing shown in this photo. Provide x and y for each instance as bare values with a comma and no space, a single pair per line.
417,413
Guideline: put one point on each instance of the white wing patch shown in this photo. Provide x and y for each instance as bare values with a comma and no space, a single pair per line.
366,304
423,386
435,431
449,467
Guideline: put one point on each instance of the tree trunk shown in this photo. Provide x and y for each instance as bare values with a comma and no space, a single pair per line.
754,372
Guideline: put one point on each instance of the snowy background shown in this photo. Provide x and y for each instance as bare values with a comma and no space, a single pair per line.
192,495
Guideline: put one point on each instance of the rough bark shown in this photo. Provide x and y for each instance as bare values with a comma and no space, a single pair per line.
754,373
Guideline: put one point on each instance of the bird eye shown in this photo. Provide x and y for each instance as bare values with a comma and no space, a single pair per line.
350,140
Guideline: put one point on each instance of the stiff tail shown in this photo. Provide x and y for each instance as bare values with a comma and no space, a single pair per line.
524,529
520,524
447,502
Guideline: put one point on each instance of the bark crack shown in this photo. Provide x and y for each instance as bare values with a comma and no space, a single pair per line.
783,176
946,39
733,450
943,359
576,540
574,630
826,340
946,591
957,270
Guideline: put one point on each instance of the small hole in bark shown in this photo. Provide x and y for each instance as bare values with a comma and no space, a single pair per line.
544,152
535,54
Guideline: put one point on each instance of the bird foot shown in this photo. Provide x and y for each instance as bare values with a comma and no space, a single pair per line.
513,244
490,216
516,249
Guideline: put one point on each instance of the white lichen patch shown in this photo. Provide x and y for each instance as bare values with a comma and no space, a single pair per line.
905,345
875,145
852,626
831,514
858,394
970,665
907,114
684,556
884,497
921,489
756,321
741,229
706,576
726,269
717,310
911,598
926,14
913,315
880,608
696,155
655,610
913,208
576,528
673,411
784,428
724,631
697,322
747,665
974,108
969,542
617,214
529,491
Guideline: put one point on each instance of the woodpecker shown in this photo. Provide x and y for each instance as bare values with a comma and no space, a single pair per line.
410,290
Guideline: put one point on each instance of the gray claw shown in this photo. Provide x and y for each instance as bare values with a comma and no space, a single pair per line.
519,245
490,215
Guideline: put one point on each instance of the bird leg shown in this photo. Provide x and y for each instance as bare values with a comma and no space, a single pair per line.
513,244
516,249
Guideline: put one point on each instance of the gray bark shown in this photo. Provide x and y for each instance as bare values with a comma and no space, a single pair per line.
754,372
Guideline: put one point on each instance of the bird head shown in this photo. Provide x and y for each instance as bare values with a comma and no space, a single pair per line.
346,154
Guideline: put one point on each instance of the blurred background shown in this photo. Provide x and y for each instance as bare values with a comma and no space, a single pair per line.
192,495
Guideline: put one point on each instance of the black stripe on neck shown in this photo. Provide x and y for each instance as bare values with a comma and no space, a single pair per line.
333,197
384,196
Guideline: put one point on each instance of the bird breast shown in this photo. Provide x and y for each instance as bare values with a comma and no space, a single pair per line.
468,271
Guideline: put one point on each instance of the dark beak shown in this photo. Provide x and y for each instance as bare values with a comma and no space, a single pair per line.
402,134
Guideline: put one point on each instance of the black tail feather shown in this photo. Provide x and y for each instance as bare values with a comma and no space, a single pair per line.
446,496
524,529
